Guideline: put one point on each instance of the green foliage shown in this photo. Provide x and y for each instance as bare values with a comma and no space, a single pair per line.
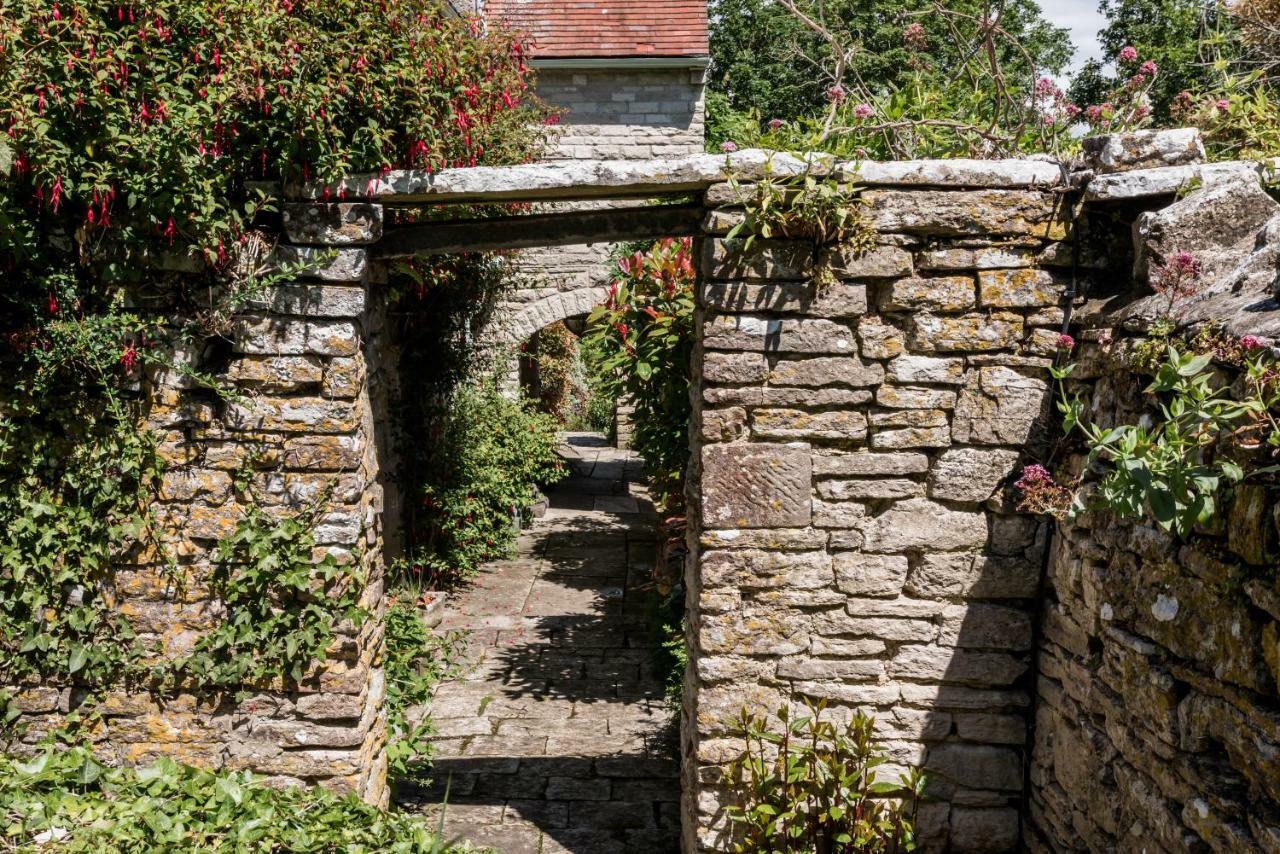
724,122
554,358
765,60
1183,38
1173,468
596,410
645,331
1241,120
415,661
281,603
813,788
65,800
482,462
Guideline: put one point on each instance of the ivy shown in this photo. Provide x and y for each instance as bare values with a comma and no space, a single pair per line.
281,603
416,661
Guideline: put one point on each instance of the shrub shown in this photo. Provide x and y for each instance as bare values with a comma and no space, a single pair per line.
416,660
65,800
645,331
482,463
812,788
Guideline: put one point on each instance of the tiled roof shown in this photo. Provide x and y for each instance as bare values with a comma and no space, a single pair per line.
607,28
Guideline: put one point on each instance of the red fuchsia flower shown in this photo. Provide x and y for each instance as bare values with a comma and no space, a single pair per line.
728,146
1128,54
623,329
862,111
1248,342
129,356
1148,68
57,14
1066,342
836,94
774,124
53,304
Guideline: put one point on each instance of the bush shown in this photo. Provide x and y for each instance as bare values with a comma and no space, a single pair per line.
812,789
65,800
416,660
481,465
645,333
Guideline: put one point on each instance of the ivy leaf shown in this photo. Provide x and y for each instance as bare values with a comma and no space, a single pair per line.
79,656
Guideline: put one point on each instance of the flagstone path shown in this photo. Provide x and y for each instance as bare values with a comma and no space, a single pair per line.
557,738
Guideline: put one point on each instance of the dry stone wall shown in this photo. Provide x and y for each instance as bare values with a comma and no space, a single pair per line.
854,538
305,420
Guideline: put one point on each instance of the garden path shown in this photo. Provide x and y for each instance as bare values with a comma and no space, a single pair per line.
557,738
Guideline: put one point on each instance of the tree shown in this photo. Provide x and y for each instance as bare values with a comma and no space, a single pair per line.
1189,41
764,58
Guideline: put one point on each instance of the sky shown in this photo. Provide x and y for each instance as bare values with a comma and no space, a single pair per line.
1081,17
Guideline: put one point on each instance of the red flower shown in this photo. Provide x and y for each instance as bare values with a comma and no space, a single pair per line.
53,304
129,356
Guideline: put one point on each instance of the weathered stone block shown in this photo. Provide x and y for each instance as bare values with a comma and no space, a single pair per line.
326,264
984,258
880,340
914,397
840,514
881,262
976,625
748,332
293,415
323,453
734,368
926,369
941,293
316,300
819,668
750,568
766,259
786,539
275,336
911,437
947,664
870,575
971,474
984,831
755,486
1000,406
343,378
834,300
970,333
909,418
869,489
336,224
723,425
940,576
977,213
992,729
797,424
824,371
813,398
891,629
867,463
921,524
1143,149
276,374
1019,289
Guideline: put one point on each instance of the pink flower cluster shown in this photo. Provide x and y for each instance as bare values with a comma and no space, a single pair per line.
1041,494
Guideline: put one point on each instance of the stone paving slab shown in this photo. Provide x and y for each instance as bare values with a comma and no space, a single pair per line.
558,738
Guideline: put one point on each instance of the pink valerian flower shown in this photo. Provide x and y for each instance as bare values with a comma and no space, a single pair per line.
1177,279
1128,53
1041,494
836,94
1148,68
1046,88
1137,81
862,111
915,37
1072,110
1249,342
1222,104
1066,342
728,146
774,124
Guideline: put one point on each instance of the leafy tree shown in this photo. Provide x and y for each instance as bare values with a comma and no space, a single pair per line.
1190,41
764,58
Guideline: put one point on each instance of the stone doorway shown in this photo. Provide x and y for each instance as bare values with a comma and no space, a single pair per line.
558,738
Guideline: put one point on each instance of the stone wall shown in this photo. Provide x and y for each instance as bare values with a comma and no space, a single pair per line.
306,419
853,534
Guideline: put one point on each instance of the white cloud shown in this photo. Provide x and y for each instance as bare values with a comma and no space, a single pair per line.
1084,21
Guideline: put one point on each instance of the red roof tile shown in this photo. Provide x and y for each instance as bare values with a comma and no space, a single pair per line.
606,28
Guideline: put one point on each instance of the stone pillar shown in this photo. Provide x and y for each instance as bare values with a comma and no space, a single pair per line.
305,420
852,534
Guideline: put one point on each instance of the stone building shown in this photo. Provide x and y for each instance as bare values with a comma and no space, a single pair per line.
629,78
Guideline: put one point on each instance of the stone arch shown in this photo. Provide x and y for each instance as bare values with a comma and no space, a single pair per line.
528,319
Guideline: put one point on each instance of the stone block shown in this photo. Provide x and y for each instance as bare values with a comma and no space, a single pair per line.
1000,406
879,339
869,489
323,453
947,664
870,575
926,369
765,259
755,486
1019,289
940,293
766,569
292,415
908,418
323,263
336,224
939,576
786,539
984,831
881,262
813,669
759,334
276,374
915,397
869,464
973,333
723,425
314,300
979,626
834,300
911,437
735,368
984,258
343,378
813,398
992,729
889,629
839,514
973,213
797,424
274,336
1143,149
824,371
971,474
